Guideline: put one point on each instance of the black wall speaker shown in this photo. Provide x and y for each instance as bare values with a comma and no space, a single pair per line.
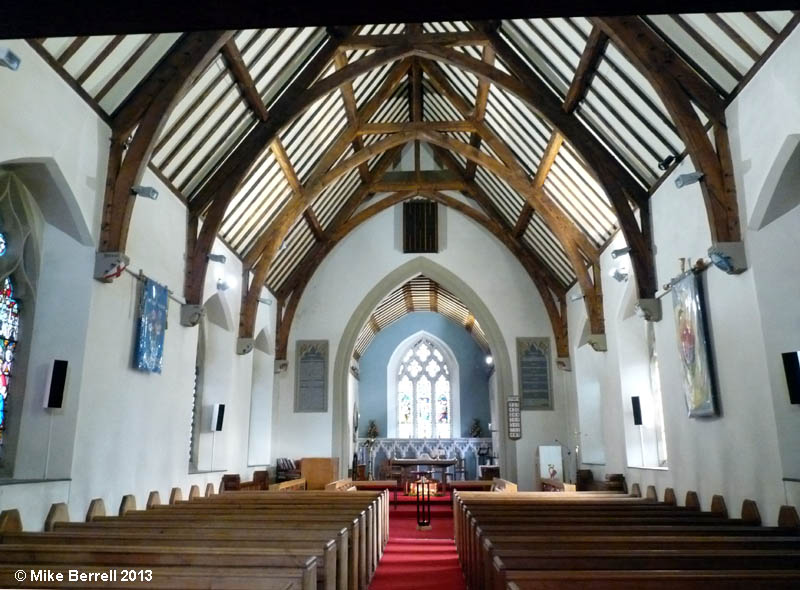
791,366
217,416
637,410
56,384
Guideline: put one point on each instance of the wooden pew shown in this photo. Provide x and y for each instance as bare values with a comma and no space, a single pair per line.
283,566
288,486
287,543
525,541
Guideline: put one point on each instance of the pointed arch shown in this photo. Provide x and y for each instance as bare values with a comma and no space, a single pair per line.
453,283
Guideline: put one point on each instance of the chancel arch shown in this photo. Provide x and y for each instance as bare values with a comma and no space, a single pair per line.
494,336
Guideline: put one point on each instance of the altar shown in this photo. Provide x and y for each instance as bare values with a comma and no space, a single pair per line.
404,464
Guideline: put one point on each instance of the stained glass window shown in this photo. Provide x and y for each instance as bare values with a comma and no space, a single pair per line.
423,393
2,244
9,332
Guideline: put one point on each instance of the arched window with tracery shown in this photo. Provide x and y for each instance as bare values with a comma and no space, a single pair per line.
424,393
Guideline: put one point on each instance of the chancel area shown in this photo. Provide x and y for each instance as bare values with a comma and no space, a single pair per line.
453,301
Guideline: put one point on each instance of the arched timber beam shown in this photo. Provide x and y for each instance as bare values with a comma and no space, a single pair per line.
677,86
534,269
147,110
618,183
218,190
279,228
572,239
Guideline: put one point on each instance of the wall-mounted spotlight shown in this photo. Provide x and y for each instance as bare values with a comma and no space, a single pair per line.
9,59
576,297
265,300
620,252
685,179
222,285
618,275
283,246
144,191
489,360
217,258
666,162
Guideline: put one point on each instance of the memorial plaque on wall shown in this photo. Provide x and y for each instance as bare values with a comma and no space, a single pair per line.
311,384
514,418
533,371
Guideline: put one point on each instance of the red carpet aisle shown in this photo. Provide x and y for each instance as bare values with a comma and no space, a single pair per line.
419,560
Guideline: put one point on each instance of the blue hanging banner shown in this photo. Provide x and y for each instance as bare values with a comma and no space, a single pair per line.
152,325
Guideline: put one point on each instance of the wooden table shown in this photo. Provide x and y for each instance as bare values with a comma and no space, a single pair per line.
406,463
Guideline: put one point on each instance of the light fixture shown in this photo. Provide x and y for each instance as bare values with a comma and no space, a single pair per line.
217,258
282,246
489,359
144,191
576,296
666,162
685,179
620,252
618,275
265,300
222,285
9,59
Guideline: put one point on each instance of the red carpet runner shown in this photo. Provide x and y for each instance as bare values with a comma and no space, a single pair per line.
419,560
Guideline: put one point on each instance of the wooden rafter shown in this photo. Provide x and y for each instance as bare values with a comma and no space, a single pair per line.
384,128
314,225
618,183
469,322
587,68
220,188
562,226
678,87
373,324
434,180
147,109
362,42
548,158
408,299
350,108
241,74
481,100
327,159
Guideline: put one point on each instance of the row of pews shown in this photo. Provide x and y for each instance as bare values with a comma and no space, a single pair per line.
608,540
242,540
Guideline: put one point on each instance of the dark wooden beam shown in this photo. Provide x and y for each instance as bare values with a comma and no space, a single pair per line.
220,188
469,322
433,300
314,225
619,184
350,107
148,109
399,127
587,68
364,42
656,61
71,50
100,58
481,100
241,74
548,158
426,180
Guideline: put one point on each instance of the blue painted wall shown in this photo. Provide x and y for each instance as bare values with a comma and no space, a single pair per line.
473,371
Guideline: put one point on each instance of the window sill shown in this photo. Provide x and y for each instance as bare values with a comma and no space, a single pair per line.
648,468
9,481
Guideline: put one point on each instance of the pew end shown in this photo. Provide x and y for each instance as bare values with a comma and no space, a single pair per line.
10,521
58,513
96,508
128,503
154,499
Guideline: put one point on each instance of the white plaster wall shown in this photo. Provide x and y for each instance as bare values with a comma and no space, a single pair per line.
360,261
131,428
772,252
